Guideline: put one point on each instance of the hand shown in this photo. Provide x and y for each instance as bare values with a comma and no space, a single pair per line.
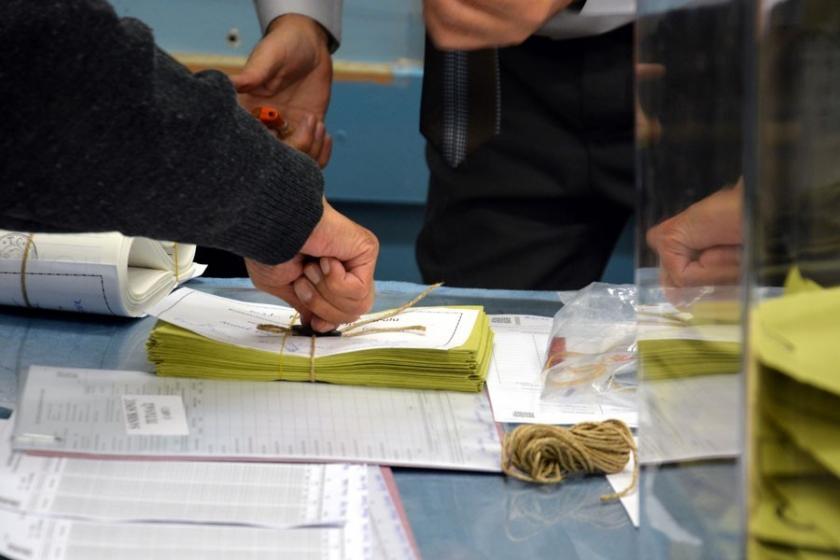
478,24
291,69
337,286
648,129
701,246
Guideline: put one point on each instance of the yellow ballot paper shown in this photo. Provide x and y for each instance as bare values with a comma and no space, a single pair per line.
674,345
206,336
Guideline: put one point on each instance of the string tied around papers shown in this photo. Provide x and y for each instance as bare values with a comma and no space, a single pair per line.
548,454
349,330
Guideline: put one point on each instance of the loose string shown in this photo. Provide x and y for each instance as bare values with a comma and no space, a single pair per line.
548,454
23,263
351,330
392,313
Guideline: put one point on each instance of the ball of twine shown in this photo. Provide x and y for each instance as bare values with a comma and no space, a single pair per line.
548,454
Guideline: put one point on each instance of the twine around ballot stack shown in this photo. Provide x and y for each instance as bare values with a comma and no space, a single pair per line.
349,330
548,454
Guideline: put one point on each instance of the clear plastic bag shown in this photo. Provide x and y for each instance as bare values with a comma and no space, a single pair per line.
591,354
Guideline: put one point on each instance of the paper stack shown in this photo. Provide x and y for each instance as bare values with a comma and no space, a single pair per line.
105,273
795,506
674,344
206,336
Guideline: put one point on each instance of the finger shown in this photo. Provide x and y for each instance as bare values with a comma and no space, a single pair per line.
319,306
649,70
349,305
317,141
343,284
265,63
320,325
344,291
326,152
716,266
303,134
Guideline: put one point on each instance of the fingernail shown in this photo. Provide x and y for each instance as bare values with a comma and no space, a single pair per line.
303,291
313,274
325,266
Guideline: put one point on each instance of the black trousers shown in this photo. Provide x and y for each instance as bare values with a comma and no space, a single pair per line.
541,205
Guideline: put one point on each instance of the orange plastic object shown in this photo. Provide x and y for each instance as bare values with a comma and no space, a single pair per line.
271,117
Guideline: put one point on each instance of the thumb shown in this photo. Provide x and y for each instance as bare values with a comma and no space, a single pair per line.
263,64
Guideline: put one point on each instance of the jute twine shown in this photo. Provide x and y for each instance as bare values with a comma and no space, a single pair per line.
548,454
349,330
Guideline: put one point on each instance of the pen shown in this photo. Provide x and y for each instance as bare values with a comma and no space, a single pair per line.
273,119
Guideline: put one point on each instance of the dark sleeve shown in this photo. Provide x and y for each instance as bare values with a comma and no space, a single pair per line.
102,131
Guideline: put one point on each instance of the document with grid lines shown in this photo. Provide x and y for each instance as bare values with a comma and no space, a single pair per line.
84,412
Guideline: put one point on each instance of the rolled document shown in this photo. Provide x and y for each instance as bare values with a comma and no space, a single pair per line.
106,273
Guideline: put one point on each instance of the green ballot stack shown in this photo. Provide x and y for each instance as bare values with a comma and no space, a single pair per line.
795,466
706,340
447,348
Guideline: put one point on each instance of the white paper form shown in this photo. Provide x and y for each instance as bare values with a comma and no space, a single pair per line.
30,537
105,273
235,322
270,495
77,411
390,530
690,418
620,481
515,384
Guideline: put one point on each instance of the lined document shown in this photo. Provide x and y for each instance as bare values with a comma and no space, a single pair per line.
268,495
390,531
82,412
30,537
515,384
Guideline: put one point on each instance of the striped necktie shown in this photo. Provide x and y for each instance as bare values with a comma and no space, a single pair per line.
461,104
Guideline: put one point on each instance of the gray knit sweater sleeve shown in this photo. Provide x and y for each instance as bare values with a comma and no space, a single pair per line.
101,131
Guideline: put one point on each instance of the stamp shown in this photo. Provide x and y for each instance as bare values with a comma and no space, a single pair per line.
13,246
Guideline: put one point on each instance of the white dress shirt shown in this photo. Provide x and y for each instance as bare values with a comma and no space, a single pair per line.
596,17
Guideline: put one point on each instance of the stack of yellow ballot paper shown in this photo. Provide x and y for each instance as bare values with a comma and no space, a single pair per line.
703,341
795,501
206,336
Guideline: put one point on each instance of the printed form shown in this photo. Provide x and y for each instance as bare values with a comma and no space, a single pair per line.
29,537
235,322
82,412
279,496
515,382
361,500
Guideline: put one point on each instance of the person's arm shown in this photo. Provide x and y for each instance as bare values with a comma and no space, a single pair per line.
103,131
327,13
591,17
291,68
478,24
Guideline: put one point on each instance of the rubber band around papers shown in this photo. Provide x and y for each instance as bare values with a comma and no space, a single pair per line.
350,330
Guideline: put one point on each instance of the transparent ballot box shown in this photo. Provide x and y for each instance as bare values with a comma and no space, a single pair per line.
793,348
690,112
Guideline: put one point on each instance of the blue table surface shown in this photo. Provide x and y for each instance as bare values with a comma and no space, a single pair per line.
453,514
